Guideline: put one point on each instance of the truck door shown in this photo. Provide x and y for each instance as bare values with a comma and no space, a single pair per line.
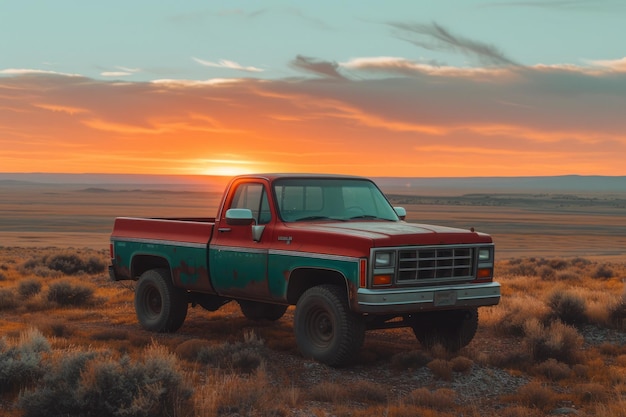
238,258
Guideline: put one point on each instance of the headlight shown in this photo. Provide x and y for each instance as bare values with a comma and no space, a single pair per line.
484,254
383,259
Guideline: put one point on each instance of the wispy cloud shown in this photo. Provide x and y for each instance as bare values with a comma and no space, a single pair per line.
223,63
326,69
120,72
30,71
435,37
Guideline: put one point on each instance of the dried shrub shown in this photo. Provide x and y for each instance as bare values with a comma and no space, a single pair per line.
190,349
536,395
518,310
553,370
29,287
546,272
591,392
20,363
8,300
244,357
567,275
441,399
85,384
603,272
410,360
557,341
522,268
568,307
65,263
66,293
462,364
441,369
239,396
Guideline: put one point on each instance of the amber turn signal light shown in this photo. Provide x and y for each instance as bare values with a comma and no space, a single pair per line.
381,280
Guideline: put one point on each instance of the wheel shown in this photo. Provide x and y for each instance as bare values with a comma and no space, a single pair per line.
452,329
325,327
254,310
160,306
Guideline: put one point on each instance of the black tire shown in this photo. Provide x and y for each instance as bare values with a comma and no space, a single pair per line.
254,310
325,327
452,329
160,306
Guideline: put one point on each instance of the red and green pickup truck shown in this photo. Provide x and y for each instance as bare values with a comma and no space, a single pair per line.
333,246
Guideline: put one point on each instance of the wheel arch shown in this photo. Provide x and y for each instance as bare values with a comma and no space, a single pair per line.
141,263
301,279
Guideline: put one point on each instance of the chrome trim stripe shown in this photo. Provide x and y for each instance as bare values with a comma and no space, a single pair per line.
313,255
237,249
159,242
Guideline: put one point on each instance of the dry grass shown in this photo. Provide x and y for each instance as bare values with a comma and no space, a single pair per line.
220,364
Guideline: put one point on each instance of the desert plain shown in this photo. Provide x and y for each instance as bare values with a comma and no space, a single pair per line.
555,344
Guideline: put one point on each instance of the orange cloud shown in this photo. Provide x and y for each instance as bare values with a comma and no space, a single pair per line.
531,121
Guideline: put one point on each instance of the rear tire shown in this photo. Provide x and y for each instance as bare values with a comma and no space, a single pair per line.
453,329
254,310
160,306
325,327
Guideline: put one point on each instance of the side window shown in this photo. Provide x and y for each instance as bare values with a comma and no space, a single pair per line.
253,196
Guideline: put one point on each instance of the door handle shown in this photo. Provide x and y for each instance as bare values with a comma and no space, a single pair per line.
224,229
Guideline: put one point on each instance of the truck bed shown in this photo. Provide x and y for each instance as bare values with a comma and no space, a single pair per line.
187,230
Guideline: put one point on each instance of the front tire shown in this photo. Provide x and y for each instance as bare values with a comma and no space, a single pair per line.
453,329
160,306
325,327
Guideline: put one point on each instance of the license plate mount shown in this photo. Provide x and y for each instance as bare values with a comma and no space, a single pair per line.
444,298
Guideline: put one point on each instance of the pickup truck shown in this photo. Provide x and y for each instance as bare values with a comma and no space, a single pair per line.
331,245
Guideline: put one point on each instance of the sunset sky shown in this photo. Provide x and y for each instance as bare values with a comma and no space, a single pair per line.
451,88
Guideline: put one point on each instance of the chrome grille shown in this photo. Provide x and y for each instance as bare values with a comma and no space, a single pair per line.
445,263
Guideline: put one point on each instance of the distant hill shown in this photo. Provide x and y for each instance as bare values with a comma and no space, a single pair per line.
461,185
555,184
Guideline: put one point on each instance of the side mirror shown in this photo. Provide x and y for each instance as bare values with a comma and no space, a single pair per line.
239,217
401,212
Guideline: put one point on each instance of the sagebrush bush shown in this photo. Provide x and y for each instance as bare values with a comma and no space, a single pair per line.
8,299
66,293
20,363
88,384
29,287
441,369
568,307
535,394
557,341
603,272
244,357
65,263
553,370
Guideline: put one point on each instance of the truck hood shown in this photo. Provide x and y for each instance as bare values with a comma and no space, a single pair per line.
383,233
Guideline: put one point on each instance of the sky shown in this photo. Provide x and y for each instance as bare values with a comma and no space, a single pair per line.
449,88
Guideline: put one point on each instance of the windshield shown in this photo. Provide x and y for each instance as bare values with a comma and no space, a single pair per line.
301,199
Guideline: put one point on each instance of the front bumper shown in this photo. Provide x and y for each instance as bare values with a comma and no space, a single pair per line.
407,300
